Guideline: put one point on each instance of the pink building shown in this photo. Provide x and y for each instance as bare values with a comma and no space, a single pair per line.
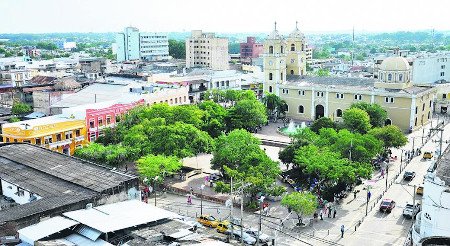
98,119
251,49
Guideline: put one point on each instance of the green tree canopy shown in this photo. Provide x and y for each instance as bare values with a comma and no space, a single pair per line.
376,113
302,203
177,49
151,166
356,120
246,114
111,155
391,136
323,122
19,108
214,118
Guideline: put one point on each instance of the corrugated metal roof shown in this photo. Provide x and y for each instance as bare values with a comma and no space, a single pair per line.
89,232
120,215
45,228
84,241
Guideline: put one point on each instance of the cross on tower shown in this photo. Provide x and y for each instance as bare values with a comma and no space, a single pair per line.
296,25
275,25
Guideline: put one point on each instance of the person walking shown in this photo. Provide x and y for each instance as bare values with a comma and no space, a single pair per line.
329,211
334,213
342,231
189,200
354,194
321,214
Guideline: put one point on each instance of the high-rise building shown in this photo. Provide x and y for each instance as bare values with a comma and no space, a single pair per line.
251,49
207,50
135,45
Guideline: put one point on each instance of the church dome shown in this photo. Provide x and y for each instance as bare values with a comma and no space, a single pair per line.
274,35
395,63
297,34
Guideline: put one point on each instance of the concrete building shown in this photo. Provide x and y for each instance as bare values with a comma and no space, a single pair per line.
309,98
250,50
135,45
46,183
431,68
432,221
207,50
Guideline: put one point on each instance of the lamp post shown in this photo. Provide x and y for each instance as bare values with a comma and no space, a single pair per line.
201,199
155,179
261,200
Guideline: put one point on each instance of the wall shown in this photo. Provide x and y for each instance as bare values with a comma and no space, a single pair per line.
428,70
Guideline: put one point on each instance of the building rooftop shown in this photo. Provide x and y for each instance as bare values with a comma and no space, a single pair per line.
30,124
443,168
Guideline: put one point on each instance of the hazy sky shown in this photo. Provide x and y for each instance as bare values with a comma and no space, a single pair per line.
38,16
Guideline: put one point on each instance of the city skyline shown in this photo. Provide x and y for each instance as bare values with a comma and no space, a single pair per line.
49,16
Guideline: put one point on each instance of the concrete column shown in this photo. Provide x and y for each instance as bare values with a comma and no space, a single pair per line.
413,111
326,102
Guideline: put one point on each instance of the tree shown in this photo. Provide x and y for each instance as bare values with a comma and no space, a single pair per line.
391,136
111,155
151,166
322,73
356,120
287,154
271,101
302,203
214,118
323,122
246,114
177,49
376,113
20,108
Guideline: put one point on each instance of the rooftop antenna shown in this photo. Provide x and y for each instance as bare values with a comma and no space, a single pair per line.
296,25
275,25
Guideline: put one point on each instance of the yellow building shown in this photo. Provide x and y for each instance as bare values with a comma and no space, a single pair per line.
57,133
309,98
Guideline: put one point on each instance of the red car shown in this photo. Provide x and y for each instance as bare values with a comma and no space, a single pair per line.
387,205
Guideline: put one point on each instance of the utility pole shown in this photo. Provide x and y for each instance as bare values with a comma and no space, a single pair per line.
261,200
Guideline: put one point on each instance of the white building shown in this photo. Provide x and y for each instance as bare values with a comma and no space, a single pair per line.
434,218
207,50
430,68
134,45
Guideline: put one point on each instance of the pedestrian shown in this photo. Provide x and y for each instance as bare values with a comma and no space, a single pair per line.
334,213
189,200
191,190
315,215
354,194
342,231
321,214
329,211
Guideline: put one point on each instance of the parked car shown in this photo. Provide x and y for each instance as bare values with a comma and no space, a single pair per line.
208,220
419,190
263,238
410,211
427,155
409,175
387,205
223,226
245,236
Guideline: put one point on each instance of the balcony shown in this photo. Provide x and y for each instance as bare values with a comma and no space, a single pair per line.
60,143
79,138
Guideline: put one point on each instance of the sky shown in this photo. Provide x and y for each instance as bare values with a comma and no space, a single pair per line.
314,16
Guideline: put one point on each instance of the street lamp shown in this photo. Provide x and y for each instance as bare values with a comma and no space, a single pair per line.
155,179
261,200
201,199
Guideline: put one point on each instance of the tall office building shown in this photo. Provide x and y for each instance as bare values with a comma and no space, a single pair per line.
135,45
207,50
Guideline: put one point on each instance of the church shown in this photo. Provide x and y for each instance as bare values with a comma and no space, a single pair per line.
311,97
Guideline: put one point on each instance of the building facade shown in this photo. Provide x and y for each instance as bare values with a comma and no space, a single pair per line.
310,98
135,45
207,50
58,133
251,49
431,68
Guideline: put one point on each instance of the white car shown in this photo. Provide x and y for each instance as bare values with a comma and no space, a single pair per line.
410,211
245,236
263,238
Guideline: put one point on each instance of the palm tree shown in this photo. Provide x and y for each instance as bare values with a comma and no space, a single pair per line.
272,103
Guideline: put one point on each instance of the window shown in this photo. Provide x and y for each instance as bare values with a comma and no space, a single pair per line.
270,76
444,96
26,141
7,140
92,137
358,97
281,76
77,132
222,83
442,74
429,115
292,60
417,109
100,121
38,141
442,66
217,84
270,89
389,77
301,93
285,91
281,49
340,95
389,100
339,113
415,122
117,118
400,77
270,49
430,103
319,93
48,139
301,109
292,47
292,72
91,124
68,135
58,137
108,119
423,107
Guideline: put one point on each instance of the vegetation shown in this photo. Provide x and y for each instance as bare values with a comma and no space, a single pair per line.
112,155
151,166
323,122
391,136
303,204
20,108
247,114
177,49
376,113
356,120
